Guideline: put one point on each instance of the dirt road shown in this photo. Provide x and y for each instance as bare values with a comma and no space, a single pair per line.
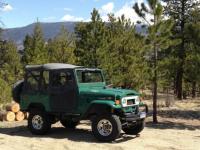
17,137
179,129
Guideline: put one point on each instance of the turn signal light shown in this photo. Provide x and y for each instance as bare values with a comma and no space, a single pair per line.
117,102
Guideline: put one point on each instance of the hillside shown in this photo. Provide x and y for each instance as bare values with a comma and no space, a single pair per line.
50,30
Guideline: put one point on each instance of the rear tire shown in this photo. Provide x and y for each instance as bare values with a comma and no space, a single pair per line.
106,127
39,122
69,123
134,130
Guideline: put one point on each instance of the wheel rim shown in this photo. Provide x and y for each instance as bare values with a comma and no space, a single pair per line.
37,122
104,127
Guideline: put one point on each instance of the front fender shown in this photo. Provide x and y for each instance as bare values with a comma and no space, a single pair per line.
98,107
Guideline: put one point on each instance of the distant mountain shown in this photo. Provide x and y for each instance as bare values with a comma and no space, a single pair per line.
50,30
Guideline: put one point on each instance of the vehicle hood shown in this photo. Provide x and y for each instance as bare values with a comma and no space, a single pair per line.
114,92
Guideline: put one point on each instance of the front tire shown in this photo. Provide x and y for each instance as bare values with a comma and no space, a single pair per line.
134,130
106,127
39,123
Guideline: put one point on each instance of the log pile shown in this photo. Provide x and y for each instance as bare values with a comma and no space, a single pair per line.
12,113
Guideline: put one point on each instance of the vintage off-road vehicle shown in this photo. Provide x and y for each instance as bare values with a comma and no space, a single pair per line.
67,93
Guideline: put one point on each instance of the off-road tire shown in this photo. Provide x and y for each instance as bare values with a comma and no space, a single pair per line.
116,127
69,123
134,130
46,125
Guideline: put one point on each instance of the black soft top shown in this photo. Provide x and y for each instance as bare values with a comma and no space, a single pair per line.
51,66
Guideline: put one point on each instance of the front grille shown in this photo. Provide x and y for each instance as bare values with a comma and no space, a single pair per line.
131,102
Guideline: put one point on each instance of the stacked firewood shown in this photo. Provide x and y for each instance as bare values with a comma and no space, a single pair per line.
12,113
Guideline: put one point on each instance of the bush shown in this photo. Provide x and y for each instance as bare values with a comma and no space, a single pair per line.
5,90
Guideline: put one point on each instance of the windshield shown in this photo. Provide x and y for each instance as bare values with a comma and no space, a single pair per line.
89,76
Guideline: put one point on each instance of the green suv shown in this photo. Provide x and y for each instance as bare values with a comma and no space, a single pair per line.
68,93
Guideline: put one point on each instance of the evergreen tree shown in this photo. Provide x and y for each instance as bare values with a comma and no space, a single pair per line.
89,40
192,58
158,39
121,55
180,11
10,69
35,51
27,49
61,48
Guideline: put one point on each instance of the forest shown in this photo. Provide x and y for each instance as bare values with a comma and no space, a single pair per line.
164,57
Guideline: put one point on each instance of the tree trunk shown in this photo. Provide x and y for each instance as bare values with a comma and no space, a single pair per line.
179,88
193,89
9,116
174,86
155,99
155,120
14,107
181,54
19,116
2,115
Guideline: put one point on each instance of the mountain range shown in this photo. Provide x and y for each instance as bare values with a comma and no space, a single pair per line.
50,30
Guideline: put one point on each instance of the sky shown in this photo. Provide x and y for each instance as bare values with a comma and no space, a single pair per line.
18,13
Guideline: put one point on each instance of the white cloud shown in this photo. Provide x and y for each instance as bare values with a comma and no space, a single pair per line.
6,8
105,18
125,10
129,12
68,17
107,8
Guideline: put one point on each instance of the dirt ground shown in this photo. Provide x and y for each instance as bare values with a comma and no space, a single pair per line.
178,129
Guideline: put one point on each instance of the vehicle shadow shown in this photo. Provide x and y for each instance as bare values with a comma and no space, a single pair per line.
176,119
181,114
172,125
79,134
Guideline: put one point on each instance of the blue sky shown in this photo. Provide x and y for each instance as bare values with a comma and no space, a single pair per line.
23,12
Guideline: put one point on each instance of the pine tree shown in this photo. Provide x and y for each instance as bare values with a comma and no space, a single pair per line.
89,40
10,69
35,51
121,55
61,48
180,11
192,58
158,39
10,62
27,55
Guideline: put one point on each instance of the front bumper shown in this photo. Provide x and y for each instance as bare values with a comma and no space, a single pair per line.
135,116
130,117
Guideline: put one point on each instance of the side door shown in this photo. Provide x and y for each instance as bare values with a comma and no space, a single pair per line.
63,91
32,92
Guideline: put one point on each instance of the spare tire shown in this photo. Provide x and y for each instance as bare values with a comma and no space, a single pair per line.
16,91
